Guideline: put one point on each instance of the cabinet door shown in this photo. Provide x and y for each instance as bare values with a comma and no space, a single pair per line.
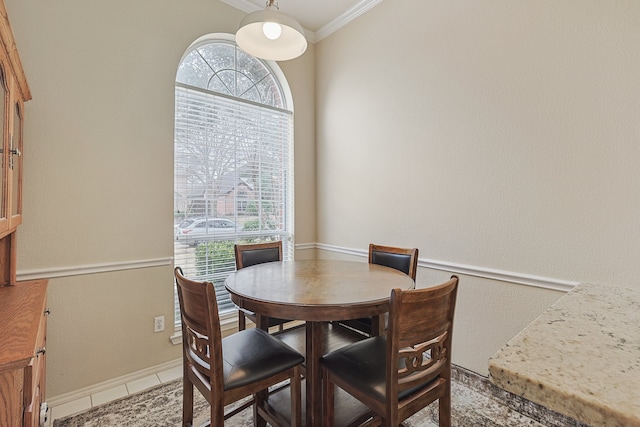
11,384
15,162
4,120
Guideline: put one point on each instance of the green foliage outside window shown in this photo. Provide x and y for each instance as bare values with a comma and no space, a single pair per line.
254,225
214,258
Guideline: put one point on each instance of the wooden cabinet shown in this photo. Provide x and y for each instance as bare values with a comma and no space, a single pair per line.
23,310
14,92
23,316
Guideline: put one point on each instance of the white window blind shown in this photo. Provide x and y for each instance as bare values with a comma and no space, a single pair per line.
232,163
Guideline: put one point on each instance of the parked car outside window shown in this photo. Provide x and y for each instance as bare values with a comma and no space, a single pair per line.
196,230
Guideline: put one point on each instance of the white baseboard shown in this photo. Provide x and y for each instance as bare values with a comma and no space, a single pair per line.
114,382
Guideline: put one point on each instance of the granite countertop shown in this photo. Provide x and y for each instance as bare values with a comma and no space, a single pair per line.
581,357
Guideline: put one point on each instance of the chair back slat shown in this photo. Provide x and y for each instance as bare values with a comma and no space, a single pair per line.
198,350
422,363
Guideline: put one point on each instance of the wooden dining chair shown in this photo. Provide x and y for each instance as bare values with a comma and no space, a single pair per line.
252,254
402,259
228,369
398,374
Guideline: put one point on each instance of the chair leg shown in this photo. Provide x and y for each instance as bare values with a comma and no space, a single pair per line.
444,409
217,413
187,402
296,397
258,401
242,321
377,326
328,398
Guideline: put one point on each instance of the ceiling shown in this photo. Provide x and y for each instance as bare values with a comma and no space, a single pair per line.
318,17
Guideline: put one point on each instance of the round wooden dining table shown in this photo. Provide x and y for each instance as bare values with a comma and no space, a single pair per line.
317,292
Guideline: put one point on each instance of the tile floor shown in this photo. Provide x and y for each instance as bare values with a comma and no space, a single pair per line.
105,396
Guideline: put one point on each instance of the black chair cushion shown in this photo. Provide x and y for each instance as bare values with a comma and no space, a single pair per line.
252,355
398,261
362,365
259,256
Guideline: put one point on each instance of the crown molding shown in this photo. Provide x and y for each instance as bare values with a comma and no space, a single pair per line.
357,10
243,5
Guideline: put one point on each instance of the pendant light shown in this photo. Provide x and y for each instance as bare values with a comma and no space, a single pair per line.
270,34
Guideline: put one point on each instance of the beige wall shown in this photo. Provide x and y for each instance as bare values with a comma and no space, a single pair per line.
98,179
497,135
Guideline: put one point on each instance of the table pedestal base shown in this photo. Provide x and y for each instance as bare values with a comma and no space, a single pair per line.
313,340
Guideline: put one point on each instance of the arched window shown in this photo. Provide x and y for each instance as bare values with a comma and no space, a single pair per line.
232,166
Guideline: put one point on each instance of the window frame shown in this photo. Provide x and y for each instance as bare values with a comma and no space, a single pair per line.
287,234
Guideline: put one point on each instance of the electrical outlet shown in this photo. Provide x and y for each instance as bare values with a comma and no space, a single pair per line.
158,324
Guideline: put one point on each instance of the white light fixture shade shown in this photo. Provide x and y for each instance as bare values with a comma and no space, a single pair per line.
251,37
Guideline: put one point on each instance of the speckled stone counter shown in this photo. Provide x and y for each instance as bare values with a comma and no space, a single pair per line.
580,358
